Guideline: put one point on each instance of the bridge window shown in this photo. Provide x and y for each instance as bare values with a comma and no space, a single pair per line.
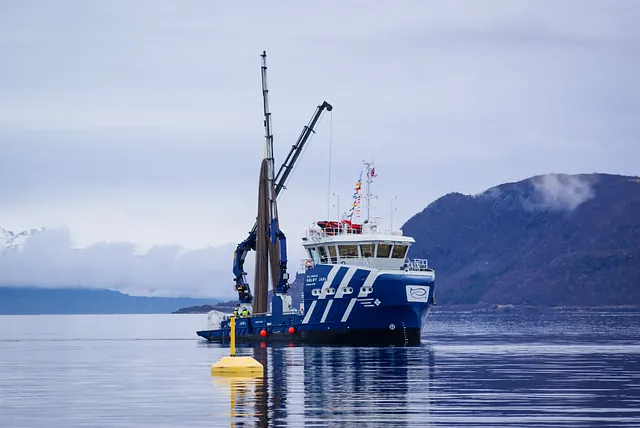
332,253
323,254
368,250
399,251
384,250
348,251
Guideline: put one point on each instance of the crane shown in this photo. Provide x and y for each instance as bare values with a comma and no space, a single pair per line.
280,180
249,244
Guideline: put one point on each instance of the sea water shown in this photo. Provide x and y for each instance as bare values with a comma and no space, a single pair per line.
520,368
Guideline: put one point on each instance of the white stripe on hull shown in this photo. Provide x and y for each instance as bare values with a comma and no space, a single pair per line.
327,283
368,283
347,312
345,282
308,314
326,311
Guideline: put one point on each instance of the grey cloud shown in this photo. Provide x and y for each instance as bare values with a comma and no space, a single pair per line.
67,160
47,259
163,99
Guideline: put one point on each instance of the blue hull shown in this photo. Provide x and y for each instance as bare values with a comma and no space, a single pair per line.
346,305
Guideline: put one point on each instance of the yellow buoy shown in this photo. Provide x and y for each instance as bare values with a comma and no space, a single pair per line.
234,365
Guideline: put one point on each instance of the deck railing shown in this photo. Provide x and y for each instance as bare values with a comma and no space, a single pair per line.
317,234
417,264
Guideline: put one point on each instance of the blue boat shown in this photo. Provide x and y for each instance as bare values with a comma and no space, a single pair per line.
359,285
359,289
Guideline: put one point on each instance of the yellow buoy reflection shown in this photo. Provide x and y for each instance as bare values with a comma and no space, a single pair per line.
246,395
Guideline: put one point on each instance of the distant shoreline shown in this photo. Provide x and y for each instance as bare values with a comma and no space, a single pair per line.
226,307
203,309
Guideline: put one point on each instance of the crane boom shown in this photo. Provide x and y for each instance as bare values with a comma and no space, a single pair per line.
292,158
242,287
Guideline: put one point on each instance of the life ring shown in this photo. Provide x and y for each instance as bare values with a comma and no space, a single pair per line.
308,264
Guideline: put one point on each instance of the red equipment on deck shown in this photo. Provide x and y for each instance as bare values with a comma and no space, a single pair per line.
338,227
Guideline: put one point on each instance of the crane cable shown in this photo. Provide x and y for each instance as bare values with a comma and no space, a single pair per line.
329,174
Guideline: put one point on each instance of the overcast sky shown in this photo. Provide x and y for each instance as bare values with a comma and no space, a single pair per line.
141,122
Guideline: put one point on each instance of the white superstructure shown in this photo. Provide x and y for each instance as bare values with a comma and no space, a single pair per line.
355,245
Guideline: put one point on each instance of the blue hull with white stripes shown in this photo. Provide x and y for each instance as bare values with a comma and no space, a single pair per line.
350,305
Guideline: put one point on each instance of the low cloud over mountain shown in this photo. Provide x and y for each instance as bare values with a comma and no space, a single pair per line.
46,258
562,192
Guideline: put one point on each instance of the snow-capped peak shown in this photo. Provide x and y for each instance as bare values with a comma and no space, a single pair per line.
9,239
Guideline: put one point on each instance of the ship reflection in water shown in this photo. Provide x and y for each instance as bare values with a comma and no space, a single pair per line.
514,381
320,386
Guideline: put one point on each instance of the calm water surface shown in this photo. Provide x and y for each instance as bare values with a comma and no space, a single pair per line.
474,369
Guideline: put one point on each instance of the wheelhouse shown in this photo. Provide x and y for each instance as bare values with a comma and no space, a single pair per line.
331,242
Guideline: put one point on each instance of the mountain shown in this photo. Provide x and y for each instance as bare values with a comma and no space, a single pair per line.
11,240
31,300
548,240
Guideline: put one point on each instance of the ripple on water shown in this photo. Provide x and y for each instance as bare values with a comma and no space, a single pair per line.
473,369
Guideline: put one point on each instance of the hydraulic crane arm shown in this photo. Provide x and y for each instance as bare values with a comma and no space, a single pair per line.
296,150
249,244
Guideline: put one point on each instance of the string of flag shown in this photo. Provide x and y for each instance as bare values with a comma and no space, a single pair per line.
354,210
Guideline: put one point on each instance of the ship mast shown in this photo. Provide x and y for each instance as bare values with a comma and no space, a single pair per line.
269,151
370,168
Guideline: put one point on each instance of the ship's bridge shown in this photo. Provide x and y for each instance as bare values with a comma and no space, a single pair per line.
341,242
